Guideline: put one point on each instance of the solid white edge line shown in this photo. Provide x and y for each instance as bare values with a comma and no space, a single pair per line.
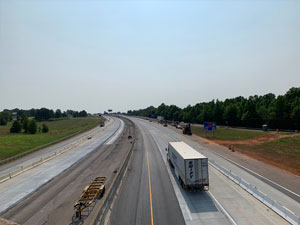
245,168
251,171
175,184
222,209
116,135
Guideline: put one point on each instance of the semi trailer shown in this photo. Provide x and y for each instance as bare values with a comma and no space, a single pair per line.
190,166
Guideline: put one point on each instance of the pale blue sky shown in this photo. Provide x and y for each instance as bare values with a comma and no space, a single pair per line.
96,55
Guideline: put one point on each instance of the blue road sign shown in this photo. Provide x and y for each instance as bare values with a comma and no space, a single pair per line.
210,126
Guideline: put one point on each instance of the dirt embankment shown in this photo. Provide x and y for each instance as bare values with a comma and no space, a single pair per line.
266,148
254,141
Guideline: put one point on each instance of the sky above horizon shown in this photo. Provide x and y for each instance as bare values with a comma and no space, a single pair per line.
97,55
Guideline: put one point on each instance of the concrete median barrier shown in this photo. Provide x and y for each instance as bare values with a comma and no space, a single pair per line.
104,209
275,206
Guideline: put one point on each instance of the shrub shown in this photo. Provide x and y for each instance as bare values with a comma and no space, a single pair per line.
45,128
32,128
16,127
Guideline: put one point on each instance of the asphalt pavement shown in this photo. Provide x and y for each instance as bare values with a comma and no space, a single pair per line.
224,203
147,196
46,194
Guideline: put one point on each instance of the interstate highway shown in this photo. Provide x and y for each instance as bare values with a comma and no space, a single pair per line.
46,194
224,203
149,192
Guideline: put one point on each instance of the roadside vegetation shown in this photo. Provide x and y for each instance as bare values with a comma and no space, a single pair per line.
227,133
283,152
47,131
277,112
281,112
275,148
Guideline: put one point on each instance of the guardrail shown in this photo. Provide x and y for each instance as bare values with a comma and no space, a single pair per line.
23,169
103,210
275,206
4,161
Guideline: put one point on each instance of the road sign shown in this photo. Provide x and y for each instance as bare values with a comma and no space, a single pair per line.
210,126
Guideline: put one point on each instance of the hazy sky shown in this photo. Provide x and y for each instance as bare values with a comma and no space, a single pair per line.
96,55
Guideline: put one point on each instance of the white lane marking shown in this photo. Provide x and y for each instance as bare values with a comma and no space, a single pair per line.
15,190
51,155
182,198
251,171
222,209
245,168
116,135
186,212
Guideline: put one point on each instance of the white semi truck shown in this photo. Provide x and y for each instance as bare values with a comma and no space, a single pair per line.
191,167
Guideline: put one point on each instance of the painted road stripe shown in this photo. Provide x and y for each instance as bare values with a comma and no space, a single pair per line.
150,192
116,135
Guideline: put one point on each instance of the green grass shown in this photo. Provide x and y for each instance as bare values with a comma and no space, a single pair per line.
13,144
227,133
284,152
288,146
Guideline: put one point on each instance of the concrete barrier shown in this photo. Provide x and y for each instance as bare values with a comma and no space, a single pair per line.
275,206
47,158
105,208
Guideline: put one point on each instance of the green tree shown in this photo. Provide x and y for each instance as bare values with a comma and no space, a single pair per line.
296,116
16,127
32,128
3,121
25,123
218,112
250,117
58,113
45,128
230,115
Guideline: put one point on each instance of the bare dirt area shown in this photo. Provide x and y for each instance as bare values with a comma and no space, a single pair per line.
257,140
280,150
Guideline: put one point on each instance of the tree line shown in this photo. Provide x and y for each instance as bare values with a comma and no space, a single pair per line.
22,121
42,114
281,112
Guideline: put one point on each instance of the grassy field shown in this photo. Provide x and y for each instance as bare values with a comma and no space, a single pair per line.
227,133
275,148
13,144
284,152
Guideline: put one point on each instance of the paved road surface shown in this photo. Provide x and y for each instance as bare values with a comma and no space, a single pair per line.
279,179
225,203
135,203
31,158
51,189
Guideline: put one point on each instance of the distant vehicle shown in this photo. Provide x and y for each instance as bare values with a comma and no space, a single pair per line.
191,167
179,127
174,123
165,124
150,120
102,124
187,129
160,119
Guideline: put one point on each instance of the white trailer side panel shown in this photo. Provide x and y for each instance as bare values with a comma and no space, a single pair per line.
190,165
177,161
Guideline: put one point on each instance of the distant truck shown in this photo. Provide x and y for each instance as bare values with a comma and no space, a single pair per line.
187,129
191,167
102,124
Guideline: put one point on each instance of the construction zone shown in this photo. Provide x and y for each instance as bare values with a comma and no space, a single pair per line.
89,196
